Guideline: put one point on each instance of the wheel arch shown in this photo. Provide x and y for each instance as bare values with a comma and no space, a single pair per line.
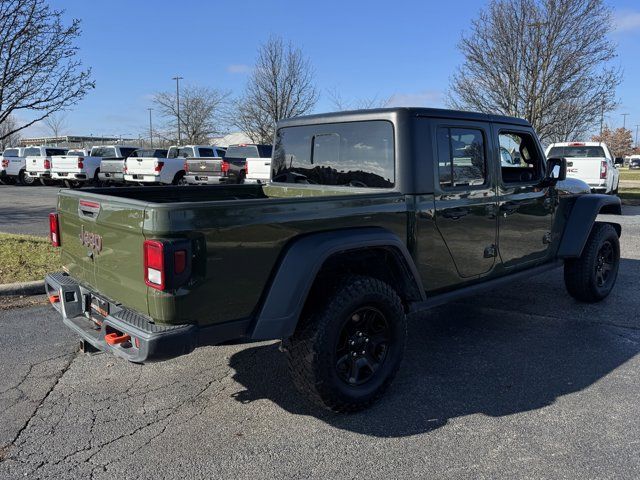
310,259
581,219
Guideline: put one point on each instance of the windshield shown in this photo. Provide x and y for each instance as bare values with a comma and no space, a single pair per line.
103,152
75,152
182,152
55,151
577,152
11,152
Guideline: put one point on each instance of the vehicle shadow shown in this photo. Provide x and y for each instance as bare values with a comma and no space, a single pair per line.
467,358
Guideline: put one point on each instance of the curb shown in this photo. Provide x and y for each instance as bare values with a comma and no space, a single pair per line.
22,288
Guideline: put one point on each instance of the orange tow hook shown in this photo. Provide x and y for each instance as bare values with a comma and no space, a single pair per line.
54,298
115,339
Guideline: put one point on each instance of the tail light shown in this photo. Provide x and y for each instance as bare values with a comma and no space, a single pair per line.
154,264
186,166
54,229
603,169
80,162
225,167
47,164
124,167
159,166
246,167
167,265
5,162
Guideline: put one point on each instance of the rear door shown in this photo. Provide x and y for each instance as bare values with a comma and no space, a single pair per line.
465,195
525,206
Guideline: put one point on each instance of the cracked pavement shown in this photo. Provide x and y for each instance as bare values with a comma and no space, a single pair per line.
527,384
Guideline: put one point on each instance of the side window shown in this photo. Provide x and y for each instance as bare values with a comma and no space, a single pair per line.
461,157
520,161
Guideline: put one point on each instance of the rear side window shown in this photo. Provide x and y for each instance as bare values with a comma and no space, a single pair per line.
31,152
50,152
206,152
184,152
265,150
220,152
11,152
461,157
354,154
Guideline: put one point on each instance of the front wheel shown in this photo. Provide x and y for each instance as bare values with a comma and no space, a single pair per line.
344,356
591,277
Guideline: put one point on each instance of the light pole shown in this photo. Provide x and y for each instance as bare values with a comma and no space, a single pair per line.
637,126
624,121
177,79
150,128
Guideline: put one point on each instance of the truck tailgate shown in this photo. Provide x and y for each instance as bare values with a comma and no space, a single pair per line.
35,164
102,245
258,168
204,165
586,169
65,163
142,165
112,165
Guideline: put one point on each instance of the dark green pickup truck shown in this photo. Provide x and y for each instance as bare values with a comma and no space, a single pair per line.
370,216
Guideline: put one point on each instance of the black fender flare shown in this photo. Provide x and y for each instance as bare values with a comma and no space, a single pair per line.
298,267
581,219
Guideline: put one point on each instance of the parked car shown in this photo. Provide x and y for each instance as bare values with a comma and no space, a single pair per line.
201,163
12,167
369,216
634,162
151,166
591,162
76,168
112,163
38,162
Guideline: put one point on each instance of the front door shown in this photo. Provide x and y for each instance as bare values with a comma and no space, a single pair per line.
525,206
465,196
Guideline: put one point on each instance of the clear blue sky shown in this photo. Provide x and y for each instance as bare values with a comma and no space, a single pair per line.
404,49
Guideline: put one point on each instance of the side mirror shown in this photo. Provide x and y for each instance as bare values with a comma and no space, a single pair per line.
619,161
556,170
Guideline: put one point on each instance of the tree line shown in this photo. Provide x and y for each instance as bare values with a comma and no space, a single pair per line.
548,61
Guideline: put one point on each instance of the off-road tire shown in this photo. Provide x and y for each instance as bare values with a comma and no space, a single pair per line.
311,351
581,274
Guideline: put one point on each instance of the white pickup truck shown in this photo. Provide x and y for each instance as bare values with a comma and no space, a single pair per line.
74,170
12,167
591,162
152,166
38,161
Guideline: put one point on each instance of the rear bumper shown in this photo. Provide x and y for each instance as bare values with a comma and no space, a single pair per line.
80,177
111,176
139,177
205,179
147,340
45,174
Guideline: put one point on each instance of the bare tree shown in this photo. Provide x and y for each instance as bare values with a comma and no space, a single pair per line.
339,103
39,71
548,61
281,86
200,112
8,139
56,124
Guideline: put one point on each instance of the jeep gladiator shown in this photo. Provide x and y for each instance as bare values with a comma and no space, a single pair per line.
370,216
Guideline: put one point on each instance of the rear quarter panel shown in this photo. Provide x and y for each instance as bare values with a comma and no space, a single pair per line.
242,240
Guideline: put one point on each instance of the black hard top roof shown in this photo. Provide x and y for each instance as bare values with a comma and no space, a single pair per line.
388,113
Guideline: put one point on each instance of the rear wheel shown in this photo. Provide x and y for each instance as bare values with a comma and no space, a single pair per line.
179,179
345,355
591,277
25,179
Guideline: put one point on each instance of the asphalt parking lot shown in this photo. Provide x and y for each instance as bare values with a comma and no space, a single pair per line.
26,209
525,383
